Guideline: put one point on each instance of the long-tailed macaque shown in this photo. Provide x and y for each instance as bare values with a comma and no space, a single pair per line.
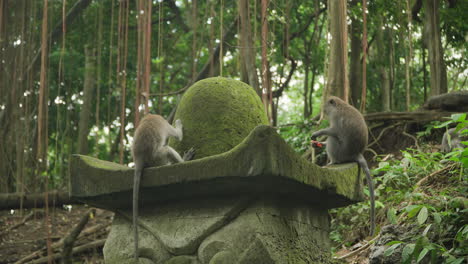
347,140
150,149
453,139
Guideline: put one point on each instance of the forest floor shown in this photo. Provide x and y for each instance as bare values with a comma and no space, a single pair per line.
29,239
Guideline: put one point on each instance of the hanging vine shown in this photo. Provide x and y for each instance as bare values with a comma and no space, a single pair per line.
147,76
160,56
122,53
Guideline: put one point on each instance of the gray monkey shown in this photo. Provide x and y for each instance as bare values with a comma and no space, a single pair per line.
150,149
346,141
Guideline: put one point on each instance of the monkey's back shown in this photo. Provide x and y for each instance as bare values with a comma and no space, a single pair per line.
352,134
149,136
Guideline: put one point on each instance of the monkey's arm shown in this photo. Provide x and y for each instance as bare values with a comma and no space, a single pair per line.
330,132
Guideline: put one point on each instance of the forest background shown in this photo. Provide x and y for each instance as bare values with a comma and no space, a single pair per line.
74,72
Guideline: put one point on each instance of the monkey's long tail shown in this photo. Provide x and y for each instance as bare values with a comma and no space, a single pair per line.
136,188
363,164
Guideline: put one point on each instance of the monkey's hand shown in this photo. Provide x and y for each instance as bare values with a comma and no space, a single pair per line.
189,154
317,144
178,124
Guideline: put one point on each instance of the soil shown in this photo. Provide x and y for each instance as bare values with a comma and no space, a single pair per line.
31,236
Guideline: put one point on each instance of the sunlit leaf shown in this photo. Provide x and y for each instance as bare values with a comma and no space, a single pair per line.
407,253
426,230
391,216
389,251
422,254
413,210
422,216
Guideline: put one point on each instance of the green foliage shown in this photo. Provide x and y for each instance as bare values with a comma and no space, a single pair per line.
423,193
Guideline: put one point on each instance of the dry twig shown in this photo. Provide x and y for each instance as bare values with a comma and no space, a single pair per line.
22,222
355,252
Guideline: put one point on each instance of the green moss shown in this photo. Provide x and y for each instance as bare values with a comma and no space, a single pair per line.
217,114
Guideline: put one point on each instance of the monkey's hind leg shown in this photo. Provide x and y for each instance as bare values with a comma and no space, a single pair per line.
189,154
171,156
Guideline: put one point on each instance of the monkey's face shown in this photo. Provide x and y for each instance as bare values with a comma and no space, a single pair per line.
330,105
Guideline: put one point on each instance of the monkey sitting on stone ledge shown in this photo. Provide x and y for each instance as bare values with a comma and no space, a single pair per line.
346,141
150,149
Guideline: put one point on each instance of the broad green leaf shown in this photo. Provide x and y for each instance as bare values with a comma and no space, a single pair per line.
422,254
389,251
412,212
394,242
426,230
391,216
444,124
459,117
422,216
407,253
456,261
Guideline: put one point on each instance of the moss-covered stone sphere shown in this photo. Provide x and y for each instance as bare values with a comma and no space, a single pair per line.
217,114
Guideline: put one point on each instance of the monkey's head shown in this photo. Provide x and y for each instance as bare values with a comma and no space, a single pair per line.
332,104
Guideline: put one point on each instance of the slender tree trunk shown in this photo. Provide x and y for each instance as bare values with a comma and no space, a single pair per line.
306,86
147,50
247,49
409,57
266,94
99,63
434,45
364,56
86,107
43,91
392,67
423,58
382,63
139,71
355,72
338,84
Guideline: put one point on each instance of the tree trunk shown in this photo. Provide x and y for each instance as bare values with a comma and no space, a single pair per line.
391,53
337,74
438,71
307,108
266,76
86,108
382,63
247,49
355,73
362,107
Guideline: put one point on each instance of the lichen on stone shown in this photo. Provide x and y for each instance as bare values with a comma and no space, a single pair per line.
217,114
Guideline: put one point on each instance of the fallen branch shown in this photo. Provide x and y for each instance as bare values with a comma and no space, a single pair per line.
24,220
34,200
76,250
414,138
381,134
422,116
71,238
355,252
59,244
420,182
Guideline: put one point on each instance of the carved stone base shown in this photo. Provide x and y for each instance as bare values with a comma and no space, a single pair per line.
224,230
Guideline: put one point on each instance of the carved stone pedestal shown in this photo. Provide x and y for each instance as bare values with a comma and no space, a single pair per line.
257,203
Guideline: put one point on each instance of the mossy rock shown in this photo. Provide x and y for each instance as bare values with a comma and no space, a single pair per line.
217,114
